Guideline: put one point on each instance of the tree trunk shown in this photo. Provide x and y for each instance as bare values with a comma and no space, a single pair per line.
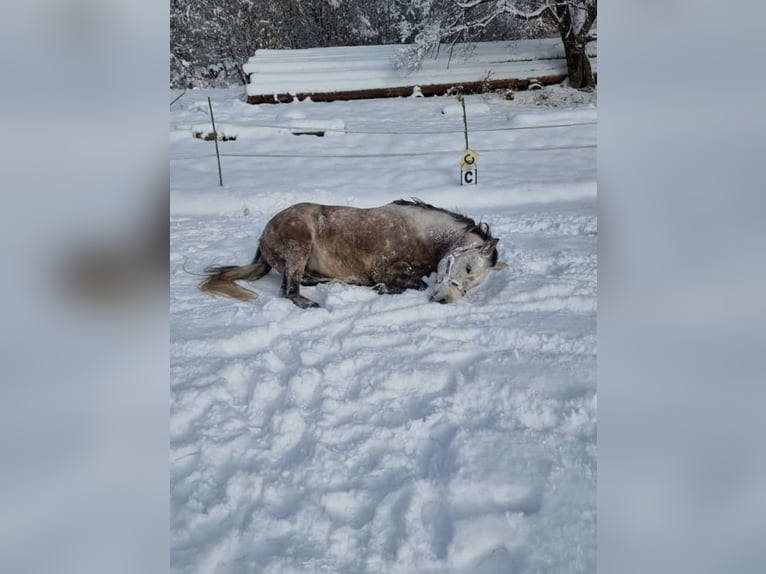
578,64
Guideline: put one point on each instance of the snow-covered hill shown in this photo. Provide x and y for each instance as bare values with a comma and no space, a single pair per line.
386,433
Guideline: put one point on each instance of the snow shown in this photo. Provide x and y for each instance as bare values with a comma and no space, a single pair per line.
457,109
281,127
345,68
384,433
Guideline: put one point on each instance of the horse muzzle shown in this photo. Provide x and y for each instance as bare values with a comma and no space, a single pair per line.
446,293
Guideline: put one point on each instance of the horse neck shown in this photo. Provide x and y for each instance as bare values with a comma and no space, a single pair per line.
450,238
441,230
465,240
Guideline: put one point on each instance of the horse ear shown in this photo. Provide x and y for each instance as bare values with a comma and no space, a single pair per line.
489,246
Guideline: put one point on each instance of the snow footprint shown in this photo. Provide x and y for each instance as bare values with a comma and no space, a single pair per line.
288,428
351,507
489,544
303,387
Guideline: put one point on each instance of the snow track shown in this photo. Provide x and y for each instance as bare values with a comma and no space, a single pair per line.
385,433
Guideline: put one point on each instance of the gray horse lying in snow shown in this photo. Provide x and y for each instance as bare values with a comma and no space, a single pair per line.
390,248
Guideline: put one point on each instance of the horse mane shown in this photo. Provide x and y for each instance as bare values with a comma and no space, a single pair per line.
481,229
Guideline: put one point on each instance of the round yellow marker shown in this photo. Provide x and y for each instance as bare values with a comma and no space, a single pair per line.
469,159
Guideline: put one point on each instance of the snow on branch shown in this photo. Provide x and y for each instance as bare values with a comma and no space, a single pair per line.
503,7
513,8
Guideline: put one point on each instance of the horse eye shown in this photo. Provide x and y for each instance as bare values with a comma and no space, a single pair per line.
467,268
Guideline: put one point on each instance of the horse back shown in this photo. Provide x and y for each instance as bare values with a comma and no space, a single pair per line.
354,245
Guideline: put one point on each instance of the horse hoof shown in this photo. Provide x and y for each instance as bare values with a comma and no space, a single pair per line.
305,303
383,289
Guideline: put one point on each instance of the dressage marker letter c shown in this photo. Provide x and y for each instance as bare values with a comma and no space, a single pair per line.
468,170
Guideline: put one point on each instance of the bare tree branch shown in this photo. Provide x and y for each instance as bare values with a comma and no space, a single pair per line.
590,18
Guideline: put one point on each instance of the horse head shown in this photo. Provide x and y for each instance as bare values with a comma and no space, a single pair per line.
465,266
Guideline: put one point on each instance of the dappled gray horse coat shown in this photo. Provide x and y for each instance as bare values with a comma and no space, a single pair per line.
390,248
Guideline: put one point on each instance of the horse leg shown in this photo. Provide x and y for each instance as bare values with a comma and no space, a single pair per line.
415,278
291,289
384,289
287,242
293,273
402,276
312,280
387,289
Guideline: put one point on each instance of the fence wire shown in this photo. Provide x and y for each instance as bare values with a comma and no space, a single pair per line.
398,132
315,128
383,155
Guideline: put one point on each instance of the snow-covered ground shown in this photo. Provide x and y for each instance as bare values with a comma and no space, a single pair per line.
386,433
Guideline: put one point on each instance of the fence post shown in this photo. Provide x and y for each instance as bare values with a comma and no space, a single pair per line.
469,171
465,123
215,138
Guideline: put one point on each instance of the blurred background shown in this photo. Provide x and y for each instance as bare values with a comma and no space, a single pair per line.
84,329
682,323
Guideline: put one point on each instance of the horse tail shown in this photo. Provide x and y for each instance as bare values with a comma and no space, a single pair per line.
220,280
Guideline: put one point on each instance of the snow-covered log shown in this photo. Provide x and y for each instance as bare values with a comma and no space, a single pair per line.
362,72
